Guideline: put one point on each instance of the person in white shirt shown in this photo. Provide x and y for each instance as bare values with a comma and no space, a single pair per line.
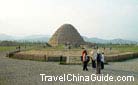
93,58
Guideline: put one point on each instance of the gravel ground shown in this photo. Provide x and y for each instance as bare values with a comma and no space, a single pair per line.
25,72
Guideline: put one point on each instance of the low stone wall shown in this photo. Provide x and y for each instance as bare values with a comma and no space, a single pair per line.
57,59
108,58
120,57
10,54
39,57
72,59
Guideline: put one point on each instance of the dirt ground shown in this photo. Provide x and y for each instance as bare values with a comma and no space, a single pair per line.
25,72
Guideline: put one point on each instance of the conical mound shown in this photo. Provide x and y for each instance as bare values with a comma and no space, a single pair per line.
66,34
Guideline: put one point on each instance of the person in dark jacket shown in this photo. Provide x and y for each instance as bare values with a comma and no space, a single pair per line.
102,60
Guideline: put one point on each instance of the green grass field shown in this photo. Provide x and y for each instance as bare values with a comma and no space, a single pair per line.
13,48
123,48
7,48
116,49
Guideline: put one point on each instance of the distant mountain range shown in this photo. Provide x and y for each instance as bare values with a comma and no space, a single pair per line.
5,37
45,38
113,41
32,38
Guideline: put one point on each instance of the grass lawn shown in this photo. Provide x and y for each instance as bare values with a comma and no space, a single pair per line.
7,48
116,49
124,48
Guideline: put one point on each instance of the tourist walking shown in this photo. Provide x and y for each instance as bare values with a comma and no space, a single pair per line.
102,60
85,59
98,62
93,58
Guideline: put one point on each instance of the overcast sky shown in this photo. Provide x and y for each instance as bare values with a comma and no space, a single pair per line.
107,19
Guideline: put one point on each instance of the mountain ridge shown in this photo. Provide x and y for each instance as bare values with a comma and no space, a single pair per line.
45,38
113,41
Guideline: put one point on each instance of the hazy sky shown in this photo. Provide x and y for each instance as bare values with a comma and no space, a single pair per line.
105,19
